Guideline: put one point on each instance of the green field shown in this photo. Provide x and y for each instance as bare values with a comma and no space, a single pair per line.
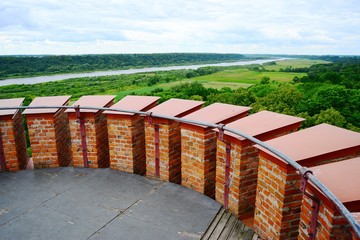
245,77
232,85
295,63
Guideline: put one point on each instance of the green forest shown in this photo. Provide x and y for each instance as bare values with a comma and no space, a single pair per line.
317,91
25,66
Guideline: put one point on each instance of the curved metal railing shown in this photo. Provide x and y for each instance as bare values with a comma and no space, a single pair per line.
308,174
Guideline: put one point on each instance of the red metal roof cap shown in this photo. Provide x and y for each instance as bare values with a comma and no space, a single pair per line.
314,141
342,178
92,101
261,122
13,102
47,101
175,107
136,103
217,113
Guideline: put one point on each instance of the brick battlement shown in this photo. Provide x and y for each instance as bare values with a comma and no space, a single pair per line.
251,182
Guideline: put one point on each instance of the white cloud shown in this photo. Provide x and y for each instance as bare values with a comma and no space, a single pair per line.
118,26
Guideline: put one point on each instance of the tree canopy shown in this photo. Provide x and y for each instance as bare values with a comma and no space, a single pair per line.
20,66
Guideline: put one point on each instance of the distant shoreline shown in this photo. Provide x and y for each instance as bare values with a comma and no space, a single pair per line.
67,76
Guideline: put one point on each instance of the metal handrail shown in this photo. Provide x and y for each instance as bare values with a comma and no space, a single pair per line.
343,210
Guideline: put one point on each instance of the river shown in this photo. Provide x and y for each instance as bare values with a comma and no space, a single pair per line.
42,79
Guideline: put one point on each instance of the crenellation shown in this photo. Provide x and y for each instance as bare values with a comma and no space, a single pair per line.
284,197
169,150
49,133
261,187
12,134
96,133
330,223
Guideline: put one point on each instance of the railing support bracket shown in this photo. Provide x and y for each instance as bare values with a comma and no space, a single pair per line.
83,135
315,202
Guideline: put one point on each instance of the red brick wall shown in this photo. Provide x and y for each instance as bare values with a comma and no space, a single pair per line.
74,125
63,138
76,140
96,140
8,146
138,147
102,141
127,143
198,160
243,177
20,140
243,171
42,140
50,139
278,202
14,142
170,150
286,200
330,225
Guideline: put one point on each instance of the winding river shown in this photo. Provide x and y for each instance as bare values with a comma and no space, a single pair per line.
42,79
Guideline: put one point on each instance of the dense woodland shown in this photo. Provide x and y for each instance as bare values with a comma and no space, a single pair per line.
21,66
328,93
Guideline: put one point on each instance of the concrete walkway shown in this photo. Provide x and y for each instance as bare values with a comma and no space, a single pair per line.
77,203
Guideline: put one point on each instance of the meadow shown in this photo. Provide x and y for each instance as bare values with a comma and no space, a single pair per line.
294,63
245,77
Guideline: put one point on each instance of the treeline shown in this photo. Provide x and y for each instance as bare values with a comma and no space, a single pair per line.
330,58
344,72
21,66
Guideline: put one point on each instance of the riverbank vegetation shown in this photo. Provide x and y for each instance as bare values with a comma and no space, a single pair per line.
26,66
317,91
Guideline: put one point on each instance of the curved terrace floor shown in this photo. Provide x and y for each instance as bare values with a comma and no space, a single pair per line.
79,203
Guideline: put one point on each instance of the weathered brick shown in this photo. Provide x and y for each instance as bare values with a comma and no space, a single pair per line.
50,139
170,150
12,133
198,159
285,198
285,201
127,143
327,228
96,140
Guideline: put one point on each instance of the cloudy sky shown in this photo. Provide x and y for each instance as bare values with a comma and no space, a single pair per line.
147,26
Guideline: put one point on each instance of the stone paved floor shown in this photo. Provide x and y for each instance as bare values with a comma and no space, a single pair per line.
77,203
